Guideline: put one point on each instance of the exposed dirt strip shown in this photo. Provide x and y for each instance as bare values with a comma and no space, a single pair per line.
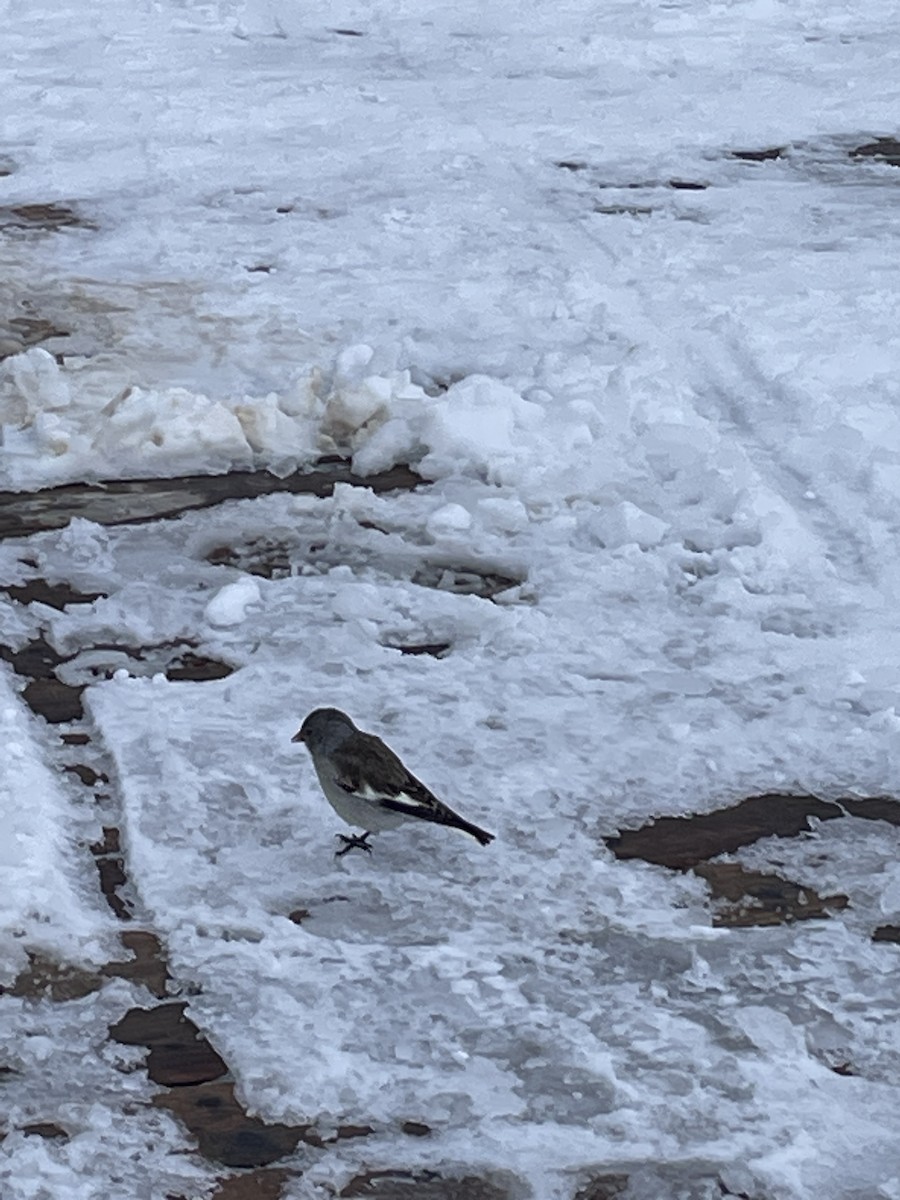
134,501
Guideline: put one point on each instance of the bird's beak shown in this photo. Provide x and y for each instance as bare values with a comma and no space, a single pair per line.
298,736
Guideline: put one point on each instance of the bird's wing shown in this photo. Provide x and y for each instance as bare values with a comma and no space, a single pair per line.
368,768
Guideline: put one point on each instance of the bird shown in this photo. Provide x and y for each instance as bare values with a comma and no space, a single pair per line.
366,783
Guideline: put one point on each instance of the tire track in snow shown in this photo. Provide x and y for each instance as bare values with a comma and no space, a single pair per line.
732,390
741,395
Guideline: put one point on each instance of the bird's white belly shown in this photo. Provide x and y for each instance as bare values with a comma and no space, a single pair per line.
356,811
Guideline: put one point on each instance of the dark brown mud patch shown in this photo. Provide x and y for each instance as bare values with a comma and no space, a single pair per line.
197,668
46,1129
224,1132
883,149
178,1053
874,808
54,595
37,659
464,581
603,1187
111,871
748,897
177,660
86,775
147,965
769,154
59,702
432,649
21,333
683,842
263,557
136,501
198,1093
184,1062
112,877
45,695
887,933
624,210
44,217
264,1183
75,739
662,1181
745,898
270,558
415,1129
60,982
421,1185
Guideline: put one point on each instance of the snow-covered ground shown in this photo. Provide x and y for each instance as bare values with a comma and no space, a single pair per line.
463,240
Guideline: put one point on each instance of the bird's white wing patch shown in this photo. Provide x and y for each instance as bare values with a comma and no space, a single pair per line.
414,801
367,792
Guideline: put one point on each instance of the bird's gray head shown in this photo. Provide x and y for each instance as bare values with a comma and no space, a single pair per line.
324,730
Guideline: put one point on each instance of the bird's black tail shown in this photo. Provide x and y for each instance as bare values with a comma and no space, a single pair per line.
481,835
418,802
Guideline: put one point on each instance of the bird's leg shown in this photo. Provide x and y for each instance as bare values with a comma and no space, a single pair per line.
355,842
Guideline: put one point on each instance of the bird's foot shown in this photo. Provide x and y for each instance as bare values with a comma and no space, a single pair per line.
353,843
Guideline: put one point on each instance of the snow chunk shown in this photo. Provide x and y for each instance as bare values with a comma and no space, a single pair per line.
229,605
173,425
505,515
626,524
57,425
352,405
482,427
32,383
448,520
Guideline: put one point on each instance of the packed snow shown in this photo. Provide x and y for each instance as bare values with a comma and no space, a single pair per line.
652,390
45,904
